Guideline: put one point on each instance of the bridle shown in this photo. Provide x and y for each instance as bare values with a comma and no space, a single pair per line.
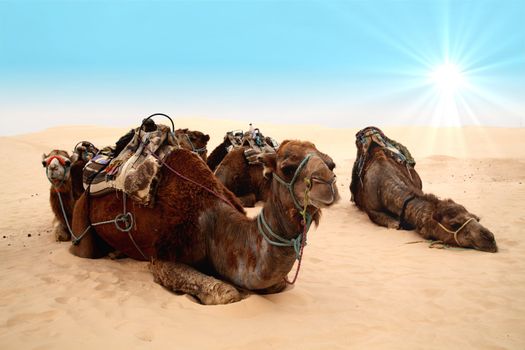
64,163
196,150
299,241
455,233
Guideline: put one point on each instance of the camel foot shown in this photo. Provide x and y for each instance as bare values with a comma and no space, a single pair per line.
182,278
61,234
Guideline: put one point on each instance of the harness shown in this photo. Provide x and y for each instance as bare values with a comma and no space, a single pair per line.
455,233
195,150
403,224
298,242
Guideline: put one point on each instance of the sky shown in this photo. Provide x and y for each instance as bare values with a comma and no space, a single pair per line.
331,63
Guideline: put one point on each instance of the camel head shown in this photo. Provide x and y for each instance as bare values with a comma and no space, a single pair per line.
57,164
193,140
305,171
464,227
84,151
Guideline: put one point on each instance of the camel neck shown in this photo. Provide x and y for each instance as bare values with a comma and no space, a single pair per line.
419,213
251,261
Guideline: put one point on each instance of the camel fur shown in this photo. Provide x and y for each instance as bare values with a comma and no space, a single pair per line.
65,174
204,245
391,194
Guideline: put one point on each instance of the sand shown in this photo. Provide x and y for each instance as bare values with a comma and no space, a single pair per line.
361,286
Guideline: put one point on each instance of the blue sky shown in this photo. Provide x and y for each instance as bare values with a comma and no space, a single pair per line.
335,63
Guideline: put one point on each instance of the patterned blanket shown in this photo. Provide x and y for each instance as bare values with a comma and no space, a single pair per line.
254,143
134,170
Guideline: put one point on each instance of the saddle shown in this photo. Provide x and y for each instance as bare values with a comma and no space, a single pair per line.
135,169
368,136
254,142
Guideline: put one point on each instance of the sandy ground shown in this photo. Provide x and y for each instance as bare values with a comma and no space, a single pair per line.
361,286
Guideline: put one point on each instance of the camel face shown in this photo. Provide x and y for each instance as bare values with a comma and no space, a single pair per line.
469,233
193,140
306,169
84,151
57,165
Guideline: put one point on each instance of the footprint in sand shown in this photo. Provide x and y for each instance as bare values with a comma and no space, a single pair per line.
145,335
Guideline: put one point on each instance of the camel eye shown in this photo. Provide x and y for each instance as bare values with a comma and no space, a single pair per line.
455,226
289,170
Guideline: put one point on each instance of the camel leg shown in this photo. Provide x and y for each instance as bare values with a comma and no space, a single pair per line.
383,219
248,200
183,278
91,246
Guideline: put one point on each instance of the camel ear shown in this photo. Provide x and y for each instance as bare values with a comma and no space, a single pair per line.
44,160
206,138
269,162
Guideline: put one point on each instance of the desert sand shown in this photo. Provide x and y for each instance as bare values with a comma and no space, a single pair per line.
361,286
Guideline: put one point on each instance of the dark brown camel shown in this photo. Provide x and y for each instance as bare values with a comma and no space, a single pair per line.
192,235
218,153
84,151
193,140
248,181
394,199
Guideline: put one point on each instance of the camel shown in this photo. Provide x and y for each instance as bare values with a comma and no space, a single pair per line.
219,152
247,180
198,237
390,192
65,174
193,140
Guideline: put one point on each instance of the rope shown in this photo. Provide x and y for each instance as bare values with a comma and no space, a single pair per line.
195,150
455,233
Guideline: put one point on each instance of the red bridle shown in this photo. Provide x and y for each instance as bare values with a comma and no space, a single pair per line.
61,159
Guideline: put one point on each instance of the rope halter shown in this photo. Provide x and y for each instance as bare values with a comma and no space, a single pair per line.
273,238
455,233
195,150
64,162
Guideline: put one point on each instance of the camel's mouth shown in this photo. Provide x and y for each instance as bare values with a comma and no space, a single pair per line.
490,248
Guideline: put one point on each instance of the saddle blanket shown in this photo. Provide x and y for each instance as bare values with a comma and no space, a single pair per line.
135,170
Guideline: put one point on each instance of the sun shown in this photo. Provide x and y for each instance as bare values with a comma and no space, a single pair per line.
448,78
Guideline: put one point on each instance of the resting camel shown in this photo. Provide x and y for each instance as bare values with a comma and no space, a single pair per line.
390,193
247,180
65,174
198,237
193,140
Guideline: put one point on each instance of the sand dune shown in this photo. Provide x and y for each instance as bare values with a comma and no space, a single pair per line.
361,286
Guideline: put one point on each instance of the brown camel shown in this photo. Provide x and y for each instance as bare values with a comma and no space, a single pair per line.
219,152
193,140
390,193
247,180
192,234
65,174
